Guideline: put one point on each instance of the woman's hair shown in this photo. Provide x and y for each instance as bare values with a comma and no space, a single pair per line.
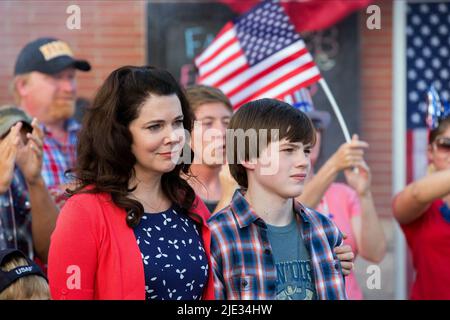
293,125
200,94
443,125
30,287
105,161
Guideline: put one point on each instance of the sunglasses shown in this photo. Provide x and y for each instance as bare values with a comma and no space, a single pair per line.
442,144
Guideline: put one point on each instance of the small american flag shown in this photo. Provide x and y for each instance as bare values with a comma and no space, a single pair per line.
428,63
300,99
258,55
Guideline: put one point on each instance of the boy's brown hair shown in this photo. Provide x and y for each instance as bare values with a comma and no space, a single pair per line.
264,114
198,95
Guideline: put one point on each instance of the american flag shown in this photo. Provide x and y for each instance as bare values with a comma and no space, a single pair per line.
300,99
258,55
428,63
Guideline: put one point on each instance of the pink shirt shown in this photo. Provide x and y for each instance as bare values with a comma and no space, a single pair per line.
341,204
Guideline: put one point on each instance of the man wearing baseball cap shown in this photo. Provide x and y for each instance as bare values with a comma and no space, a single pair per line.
44,86
27,210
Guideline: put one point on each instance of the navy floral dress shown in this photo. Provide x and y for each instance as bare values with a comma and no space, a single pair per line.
175,262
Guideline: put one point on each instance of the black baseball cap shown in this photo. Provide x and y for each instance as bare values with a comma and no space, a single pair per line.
47,55
9,277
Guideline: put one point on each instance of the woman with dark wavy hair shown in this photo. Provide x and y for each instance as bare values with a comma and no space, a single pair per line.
133,228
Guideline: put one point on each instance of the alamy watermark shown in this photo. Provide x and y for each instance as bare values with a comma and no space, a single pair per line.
373,22
212,147
73,21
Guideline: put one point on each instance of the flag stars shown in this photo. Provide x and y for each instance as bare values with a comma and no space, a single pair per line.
420,63
421,85
423,107
409,31
435,41
443,29
442,8
436,63
412,74
416,20
437,85
418,42
434,19
415,118
426,51
413,96
424,8
429,74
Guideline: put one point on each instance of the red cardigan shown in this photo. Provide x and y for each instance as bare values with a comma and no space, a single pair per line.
94,254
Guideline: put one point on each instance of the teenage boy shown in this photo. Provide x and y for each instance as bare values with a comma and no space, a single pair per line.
212,181
266,245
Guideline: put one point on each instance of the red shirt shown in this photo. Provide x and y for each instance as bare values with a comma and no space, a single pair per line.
94,254
429,240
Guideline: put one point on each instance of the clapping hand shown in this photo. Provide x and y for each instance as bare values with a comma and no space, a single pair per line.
29,155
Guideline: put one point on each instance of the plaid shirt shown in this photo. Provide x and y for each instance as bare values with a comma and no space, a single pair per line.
59,157
15,216
242,260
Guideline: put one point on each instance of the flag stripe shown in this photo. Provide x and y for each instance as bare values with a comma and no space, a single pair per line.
275,88
223,57
218,52
299,86
261,67
229,60
300,58
224,36
226,73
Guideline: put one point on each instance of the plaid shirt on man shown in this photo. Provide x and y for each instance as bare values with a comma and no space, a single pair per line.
59,157
15,217
242,260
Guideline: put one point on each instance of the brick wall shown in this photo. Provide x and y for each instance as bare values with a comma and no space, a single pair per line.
112,34
376,128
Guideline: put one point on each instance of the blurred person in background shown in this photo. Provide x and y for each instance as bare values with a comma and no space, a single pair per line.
27,211
21,278
44,86
81,106
210,179
350,205
422,209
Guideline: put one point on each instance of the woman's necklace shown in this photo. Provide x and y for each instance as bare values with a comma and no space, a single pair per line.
153,209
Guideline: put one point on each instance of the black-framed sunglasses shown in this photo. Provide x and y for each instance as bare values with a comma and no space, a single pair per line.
442,144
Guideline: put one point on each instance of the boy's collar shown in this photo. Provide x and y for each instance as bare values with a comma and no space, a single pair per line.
245,215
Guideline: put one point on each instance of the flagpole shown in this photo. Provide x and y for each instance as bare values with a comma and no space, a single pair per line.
399,137
336,109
